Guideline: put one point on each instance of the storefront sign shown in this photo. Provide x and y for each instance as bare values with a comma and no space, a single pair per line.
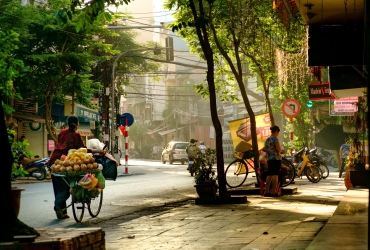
332,111
85,113
51,145
348,104
240,130
319,91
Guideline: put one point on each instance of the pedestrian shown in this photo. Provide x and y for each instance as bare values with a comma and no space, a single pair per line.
273,150
343,152
202,148
67,139
154,152
22,138
192,150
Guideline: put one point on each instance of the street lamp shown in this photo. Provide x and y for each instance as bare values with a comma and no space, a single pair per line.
112,132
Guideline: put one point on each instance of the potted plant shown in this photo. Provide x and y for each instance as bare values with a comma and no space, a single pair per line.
356,160
17,169
18,148
205,177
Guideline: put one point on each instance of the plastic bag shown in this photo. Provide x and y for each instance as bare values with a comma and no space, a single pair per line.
86,180
109,167
93,183
101,180
110,170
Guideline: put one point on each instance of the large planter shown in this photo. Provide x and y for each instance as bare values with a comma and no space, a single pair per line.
16,195
207,191
359,178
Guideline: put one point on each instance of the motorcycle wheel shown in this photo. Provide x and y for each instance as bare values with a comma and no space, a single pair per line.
48,173
313,174
324,169
43,174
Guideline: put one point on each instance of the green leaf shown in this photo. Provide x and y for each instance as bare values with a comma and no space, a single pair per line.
108,16
80,24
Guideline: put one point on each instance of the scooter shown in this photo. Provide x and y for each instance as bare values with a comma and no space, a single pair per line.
303,165
318,162
36,168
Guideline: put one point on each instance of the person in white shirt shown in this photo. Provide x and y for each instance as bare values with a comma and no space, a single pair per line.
202,147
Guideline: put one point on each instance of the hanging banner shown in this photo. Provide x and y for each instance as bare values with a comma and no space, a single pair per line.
241,134
348,104
319,91
332,111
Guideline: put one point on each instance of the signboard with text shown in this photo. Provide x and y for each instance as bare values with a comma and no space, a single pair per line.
88,114
51,145
348,104
332,111
319,91
240,130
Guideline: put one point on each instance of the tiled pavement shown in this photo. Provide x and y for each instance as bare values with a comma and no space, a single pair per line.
288,222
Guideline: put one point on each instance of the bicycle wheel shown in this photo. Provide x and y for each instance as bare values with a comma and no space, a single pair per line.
333,163
324,169
78,209
313,174
289,172
236,173
94,205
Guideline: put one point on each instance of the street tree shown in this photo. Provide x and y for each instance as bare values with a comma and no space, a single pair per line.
200,21
10,69
243,31
59,60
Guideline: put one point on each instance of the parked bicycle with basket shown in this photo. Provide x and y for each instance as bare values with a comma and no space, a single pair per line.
237,171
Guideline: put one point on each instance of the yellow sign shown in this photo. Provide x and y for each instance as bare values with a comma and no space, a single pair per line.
241,135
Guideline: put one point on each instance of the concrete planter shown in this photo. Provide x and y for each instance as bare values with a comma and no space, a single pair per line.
16,194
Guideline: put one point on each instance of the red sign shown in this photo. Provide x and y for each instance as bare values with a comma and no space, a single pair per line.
51,145
122,128
291,108
319,91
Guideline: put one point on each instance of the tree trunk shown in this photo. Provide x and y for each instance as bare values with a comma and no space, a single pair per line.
208,54
48,118
9,224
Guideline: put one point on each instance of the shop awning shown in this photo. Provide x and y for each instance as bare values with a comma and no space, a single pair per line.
168,131
30,117
157,130
84,130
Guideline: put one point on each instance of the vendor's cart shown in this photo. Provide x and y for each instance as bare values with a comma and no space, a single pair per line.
82,198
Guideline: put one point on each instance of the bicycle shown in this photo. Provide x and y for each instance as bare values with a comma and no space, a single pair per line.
82,198
237,171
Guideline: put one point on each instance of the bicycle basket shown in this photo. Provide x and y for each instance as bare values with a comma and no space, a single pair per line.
248,154
238,155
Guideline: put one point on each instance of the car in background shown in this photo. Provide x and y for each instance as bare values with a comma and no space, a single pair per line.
175,151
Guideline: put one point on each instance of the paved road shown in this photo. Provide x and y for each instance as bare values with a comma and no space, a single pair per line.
148,184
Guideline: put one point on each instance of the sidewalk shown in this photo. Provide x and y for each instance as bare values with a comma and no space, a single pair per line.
288,222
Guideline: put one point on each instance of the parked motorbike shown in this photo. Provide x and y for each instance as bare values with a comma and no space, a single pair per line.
328,158
318,162
36,168
303,165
